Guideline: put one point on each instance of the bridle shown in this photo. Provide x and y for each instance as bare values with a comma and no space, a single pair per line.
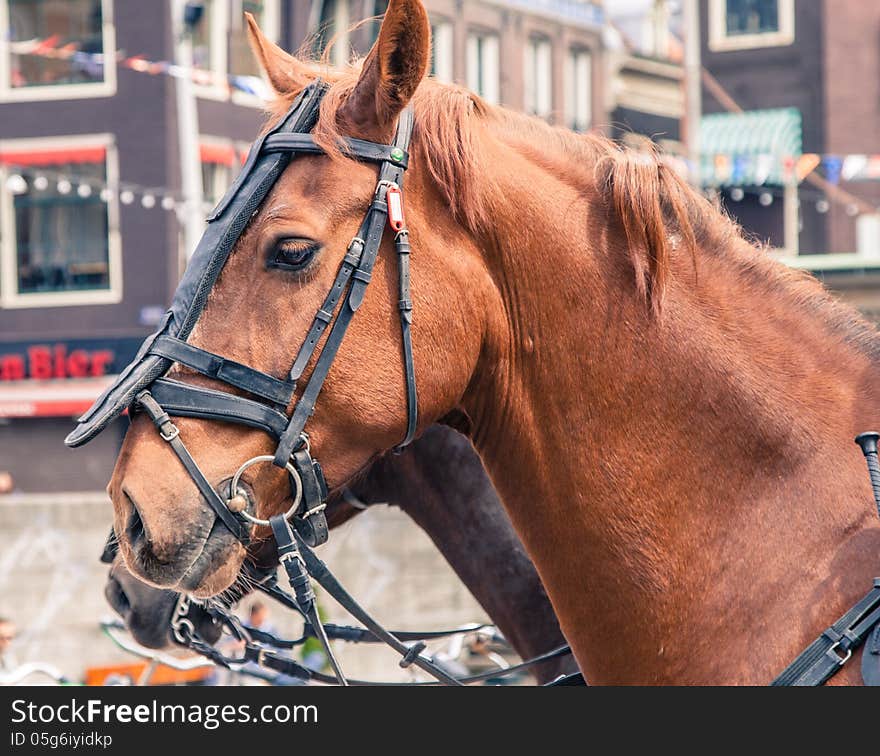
165,397
143,385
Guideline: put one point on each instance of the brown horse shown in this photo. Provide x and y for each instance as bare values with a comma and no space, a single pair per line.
666,412
440,483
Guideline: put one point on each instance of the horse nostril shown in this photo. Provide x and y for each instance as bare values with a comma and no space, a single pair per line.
134,528
117,598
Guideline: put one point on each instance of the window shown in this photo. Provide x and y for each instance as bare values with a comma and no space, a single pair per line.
441,51
483,66
538,77
746,24
220,45
242,61
373,9
332,27
578,90
54,49
59,241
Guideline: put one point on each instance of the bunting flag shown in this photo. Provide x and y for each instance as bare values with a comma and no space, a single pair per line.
49,48
763,168
854,166
806,164
757,170
833,167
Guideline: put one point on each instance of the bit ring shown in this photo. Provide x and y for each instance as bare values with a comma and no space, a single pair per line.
294,475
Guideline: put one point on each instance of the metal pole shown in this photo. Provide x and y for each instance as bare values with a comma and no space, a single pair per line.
693,85
192,216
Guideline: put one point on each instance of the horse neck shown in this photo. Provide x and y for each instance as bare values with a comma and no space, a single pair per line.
462,515
661,470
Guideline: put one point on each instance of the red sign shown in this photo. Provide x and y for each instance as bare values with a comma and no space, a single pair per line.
44,362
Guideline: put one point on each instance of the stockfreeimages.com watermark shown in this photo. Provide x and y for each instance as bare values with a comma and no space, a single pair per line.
208,716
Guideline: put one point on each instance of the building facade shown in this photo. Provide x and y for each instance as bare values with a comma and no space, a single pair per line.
91,205
804,72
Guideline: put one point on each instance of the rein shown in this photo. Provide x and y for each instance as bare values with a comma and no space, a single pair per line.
262,648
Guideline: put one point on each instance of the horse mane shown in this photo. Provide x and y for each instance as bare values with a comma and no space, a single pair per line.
659,213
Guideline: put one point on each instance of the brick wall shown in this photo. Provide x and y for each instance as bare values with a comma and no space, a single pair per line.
852,99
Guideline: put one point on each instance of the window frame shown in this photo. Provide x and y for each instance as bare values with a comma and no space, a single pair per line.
232,169
219,33
721,41
573,55
537,46
77,91
472,77
10,297
442,30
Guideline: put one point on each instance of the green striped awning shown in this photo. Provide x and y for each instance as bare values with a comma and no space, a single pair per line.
754,148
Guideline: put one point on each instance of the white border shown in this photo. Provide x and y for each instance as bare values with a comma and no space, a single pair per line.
10,297
106,88
720,41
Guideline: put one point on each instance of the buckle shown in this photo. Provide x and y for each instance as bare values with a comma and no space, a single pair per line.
314,511
171,435
831,653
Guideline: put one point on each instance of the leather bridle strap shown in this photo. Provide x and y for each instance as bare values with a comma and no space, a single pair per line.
405,306
222,369
292,561
831,650
358,149
410,655
170,433
372,231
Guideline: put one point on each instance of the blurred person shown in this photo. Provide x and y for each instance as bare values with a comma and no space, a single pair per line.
7,482
7,636
258,618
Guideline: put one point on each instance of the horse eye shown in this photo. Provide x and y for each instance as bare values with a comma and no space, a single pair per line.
292,254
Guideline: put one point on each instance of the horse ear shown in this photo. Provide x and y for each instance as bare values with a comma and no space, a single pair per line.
393,69
287,74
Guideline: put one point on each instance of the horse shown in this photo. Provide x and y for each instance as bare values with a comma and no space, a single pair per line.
666,411
440,483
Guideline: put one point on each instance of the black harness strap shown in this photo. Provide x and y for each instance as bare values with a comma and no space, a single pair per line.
318,570
371,152
169,432
404,304
188,400
292,561
231,372
325,314
372,230
831,650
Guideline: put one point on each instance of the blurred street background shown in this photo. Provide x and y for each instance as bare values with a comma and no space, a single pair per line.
123,122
